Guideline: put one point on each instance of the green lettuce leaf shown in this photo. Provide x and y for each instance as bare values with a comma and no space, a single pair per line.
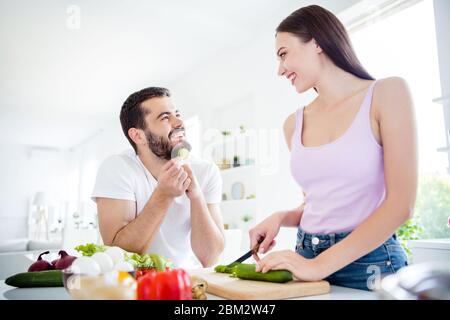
137,260
89,249
140,261
146,261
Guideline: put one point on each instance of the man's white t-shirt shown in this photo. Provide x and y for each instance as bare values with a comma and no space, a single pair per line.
124,177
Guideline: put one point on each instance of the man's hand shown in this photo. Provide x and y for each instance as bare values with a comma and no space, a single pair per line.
173,180
193,191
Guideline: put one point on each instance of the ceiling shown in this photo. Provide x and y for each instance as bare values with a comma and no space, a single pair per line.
61,81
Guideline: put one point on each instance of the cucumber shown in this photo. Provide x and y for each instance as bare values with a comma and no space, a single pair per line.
247,272
48,278
225,269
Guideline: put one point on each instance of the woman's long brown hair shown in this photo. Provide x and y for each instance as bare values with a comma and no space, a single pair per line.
315,22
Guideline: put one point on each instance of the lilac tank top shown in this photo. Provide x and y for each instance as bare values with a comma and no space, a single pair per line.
343,180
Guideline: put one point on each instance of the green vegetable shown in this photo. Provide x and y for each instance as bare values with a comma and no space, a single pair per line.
90,248
48,278
225,269
183,153
140,261
158,262
149,261
137,260
247,272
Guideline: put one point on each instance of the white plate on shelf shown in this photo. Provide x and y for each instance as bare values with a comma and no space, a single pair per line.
237,191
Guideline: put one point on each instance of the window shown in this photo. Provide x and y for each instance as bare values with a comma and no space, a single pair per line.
402,42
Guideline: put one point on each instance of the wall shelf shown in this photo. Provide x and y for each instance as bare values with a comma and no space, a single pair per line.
239,201
235,136
444,100
239,168
444,149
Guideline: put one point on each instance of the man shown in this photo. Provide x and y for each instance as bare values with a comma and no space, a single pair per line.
148,202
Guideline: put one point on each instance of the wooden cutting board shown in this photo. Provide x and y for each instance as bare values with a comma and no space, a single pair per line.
222,285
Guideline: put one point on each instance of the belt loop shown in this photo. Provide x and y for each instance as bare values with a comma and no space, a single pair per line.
302,237
332,239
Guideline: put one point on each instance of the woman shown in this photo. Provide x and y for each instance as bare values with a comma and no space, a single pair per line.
353,152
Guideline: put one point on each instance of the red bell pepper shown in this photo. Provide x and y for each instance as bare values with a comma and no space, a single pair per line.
143,271
166,285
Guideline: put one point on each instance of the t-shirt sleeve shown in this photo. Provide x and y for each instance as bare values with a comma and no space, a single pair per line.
213,187
114,180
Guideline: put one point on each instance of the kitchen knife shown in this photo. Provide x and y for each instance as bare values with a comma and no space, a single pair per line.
249,254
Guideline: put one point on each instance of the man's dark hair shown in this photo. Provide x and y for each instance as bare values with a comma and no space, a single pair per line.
132,115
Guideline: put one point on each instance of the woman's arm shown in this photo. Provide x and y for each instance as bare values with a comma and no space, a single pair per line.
398,135
291,218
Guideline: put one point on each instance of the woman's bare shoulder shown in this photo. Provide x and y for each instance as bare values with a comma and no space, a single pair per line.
391,95
391,83
388,88
288,128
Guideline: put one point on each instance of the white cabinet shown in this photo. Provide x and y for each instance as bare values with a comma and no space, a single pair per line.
436,250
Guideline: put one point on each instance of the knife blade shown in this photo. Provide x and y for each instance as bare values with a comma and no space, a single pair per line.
244,257
247,255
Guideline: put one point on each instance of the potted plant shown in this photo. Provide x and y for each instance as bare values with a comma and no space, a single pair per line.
236,162
245,221
225,163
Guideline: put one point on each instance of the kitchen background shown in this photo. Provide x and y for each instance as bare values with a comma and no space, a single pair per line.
67,66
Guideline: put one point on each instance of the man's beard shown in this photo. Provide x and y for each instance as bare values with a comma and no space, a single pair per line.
161,146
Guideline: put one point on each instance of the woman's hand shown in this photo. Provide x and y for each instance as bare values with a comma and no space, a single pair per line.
300,267
267,230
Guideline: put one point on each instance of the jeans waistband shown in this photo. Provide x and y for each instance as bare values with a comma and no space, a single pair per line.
329,238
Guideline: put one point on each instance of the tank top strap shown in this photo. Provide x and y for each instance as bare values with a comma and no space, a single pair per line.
367,103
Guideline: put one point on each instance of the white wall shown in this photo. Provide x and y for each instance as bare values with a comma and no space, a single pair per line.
68,174
24,171
91,154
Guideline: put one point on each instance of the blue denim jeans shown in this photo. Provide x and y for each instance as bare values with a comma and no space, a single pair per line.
364,273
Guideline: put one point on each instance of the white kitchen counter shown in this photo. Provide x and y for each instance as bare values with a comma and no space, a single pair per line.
12,293
20,262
